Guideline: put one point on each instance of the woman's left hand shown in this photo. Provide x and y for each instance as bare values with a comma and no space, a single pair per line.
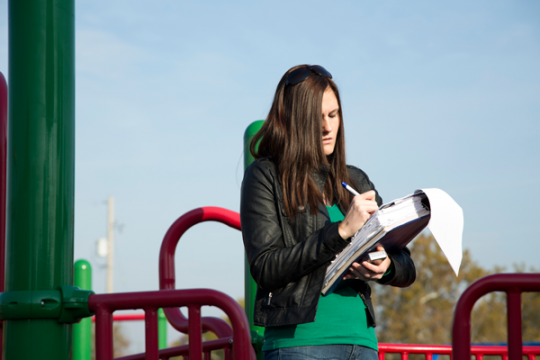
367,270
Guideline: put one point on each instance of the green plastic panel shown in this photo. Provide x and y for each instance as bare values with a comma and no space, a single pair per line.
250,290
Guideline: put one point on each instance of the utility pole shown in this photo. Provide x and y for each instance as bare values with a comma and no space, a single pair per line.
110,243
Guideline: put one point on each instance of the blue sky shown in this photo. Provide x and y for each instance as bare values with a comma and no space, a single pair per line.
434,94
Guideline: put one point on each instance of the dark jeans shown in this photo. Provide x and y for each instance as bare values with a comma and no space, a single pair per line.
322,352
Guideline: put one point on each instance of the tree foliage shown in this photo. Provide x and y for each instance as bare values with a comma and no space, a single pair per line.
423,312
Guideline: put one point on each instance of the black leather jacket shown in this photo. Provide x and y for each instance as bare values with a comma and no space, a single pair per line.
288,259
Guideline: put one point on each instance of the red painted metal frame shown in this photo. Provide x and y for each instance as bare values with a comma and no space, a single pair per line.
104,305
207,346
125,317
429,350
513,285
167,279
3,172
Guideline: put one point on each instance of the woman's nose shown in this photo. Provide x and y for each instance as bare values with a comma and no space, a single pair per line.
326,125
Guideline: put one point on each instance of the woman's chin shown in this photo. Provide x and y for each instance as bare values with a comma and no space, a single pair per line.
328,152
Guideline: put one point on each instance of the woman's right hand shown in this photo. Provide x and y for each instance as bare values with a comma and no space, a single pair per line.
361,208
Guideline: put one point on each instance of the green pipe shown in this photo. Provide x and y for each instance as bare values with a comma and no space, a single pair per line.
82,332
41,168
250,287
162,329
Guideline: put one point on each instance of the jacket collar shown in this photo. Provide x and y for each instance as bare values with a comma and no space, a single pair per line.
320,176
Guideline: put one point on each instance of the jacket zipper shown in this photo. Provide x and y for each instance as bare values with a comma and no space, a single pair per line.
269,298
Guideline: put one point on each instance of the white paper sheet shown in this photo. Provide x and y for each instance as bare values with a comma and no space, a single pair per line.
446,225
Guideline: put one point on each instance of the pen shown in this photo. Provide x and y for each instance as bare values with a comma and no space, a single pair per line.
349,189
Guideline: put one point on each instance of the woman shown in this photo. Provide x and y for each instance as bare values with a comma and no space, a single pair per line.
296,217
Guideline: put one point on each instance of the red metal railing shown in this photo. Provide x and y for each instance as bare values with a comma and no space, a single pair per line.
105,304
167,279
125,317
207,347
513,285
429,350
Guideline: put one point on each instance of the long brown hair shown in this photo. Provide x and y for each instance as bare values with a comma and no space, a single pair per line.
292,137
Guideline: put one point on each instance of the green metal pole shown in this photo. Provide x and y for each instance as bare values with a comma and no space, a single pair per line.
162,329
250,287
82,332
41,168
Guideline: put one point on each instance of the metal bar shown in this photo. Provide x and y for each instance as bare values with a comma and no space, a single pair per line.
104,333
3,172
461,325
41,161
151,330
207,347
167,277
82,332
513,313
476,350
125,317
176,298
195,332
162,329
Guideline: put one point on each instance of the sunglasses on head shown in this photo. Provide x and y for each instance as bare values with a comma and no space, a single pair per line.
301,74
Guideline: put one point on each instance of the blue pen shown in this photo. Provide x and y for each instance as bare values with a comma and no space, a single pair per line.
349,189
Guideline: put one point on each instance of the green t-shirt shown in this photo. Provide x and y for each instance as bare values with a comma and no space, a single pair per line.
341,319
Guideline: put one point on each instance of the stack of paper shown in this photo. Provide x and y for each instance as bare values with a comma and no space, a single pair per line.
394,225
397,223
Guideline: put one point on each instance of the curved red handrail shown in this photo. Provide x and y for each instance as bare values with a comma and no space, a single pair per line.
167,279
513,285
103,305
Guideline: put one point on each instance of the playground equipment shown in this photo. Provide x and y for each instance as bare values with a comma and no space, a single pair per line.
103,306
39,303
461,348
167,276
3,167
41,148
82,332
513,285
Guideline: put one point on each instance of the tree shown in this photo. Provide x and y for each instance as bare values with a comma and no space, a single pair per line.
423,312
